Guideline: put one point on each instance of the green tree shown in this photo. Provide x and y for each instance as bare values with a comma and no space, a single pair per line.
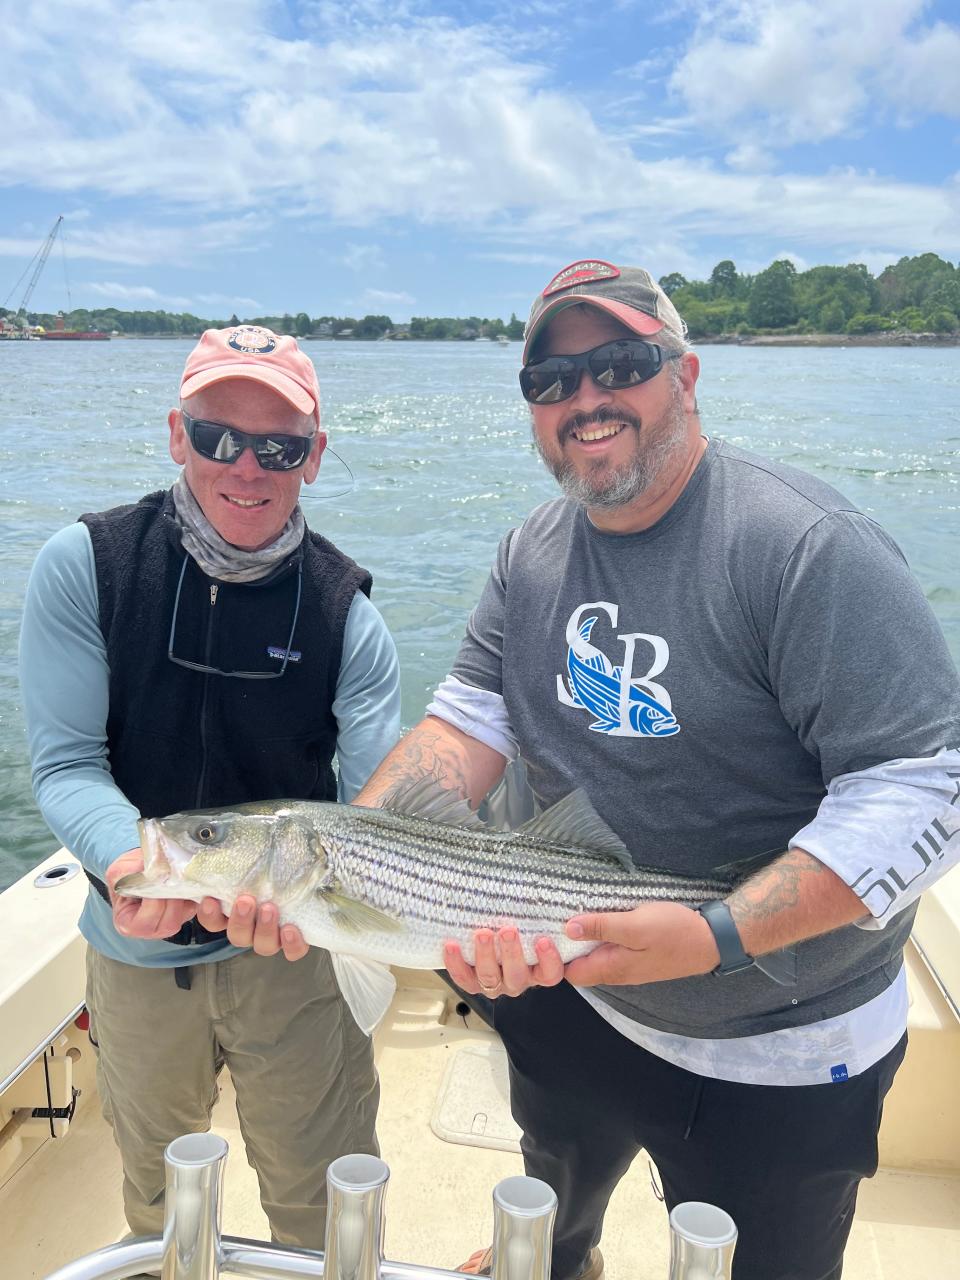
914,281
671,283
724,280
911,320
851,288
372,326
515,327
832,319
302,324
872,323
942,320
773,303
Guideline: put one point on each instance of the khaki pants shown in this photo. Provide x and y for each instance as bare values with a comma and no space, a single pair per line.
307,1090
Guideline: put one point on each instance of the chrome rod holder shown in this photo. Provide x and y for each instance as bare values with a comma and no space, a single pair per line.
353,1244
192,1209
524,1210
702,1240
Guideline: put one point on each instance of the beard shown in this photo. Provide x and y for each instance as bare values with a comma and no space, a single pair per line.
603,486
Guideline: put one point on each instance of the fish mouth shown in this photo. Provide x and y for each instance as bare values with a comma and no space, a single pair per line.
155,862
663,726
133,884
163,859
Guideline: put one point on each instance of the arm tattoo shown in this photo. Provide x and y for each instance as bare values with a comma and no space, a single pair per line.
776,888
423,755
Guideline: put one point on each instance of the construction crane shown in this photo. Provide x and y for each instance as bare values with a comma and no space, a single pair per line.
37,262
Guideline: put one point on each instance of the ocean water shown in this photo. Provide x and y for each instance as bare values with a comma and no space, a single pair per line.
437,438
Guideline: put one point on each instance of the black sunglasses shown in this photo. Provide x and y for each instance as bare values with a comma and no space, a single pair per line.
202,667
274,451
614,365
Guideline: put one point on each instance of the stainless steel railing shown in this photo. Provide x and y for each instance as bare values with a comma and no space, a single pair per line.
191,1247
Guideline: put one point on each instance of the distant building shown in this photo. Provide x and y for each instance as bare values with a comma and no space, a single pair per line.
322,330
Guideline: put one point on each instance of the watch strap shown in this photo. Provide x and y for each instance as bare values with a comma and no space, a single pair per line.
733,958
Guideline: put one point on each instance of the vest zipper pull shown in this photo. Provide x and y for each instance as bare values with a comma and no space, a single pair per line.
213,594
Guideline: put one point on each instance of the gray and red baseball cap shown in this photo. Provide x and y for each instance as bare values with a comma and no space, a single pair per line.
254,352
629,294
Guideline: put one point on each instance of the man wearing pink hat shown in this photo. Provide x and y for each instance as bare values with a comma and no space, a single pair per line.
732,661
199,648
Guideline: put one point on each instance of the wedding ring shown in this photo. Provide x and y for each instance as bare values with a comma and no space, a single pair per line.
491,991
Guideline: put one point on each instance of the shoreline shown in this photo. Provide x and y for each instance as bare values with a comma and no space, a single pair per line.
729,340
833,340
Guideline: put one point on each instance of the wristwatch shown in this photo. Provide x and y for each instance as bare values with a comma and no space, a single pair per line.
733,958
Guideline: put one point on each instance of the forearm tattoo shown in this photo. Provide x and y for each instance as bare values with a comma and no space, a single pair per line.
778,887
420,755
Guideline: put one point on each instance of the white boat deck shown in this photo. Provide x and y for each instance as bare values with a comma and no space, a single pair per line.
62,1199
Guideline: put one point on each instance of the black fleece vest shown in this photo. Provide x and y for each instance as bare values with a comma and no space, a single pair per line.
181,739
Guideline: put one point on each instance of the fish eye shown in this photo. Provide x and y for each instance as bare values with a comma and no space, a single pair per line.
207,833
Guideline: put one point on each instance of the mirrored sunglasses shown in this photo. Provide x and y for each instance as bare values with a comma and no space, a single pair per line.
627,362
274,450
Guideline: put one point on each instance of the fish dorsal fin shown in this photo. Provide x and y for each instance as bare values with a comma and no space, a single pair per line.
425,798
574,820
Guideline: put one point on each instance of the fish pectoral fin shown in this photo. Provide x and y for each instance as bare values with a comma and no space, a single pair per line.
354,916
425,798
366,986
574,820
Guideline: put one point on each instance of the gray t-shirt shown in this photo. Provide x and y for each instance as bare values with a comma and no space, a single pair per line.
704,680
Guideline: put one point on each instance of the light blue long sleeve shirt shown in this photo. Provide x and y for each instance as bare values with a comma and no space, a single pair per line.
64,678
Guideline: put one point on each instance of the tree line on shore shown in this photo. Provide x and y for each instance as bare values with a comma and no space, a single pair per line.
918,294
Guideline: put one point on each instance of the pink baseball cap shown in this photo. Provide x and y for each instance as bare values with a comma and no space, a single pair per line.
250,351
629,294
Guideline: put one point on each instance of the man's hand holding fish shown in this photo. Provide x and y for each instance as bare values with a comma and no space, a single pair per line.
143,917
501,968
253,924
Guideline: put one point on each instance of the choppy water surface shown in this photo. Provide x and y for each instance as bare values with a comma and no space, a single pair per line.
438,438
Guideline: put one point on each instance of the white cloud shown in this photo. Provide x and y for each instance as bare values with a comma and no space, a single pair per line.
792,71
925,74
519,259
749,158
383,297
130,294
234,303
142,244
229,130
362,257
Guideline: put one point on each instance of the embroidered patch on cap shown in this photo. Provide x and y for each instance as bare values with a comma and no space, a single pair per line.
252,340
581,273
838,1073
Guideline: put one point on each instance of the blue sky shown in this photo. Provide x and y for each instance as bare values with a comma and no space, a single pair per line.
447,159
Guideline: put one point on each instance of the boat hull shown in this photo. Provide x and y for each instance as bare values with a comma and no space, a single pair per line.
78,335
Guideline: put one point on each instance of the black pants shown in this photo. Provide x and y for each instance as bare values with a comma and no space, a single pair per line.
784,1161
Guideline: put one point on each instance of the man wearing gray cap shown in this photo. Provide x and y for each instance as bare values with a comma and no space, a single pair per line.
712,646
197,649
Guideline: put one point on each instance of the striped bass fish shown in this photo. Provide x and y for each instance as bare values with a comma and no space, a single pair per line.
389,886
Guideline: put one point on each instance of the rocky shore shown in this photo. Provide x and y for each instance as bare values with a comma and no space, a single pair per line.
835,340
